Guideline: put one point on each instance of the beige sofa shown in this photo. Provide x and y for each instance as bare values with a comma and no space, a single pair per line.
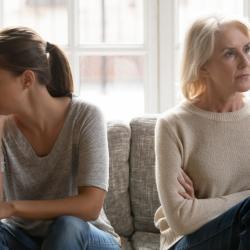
132,198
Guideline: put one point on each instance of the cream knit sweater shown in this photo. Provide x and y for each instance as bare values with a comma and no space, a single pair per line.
214,150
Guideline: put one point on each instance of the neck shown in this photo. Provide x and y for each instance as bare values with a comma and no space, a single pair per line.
220,105
41,111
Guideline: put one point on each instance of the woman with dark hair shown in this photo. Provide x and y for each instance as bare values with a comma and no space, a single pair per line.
54,157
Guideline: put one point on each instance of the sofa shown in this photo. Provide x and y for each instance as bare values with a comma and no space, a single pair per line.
132,198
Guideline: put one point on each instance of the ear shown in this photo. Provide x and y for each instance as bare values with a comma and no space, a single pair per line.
28,78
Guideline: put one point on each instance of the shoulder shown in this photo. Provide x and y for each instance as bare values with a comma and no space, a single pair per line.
85,110
3,120
82,106
87,116
174,116
176,123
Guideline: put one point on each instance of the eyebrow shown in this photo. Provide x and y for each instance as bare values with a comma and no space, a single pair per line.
233,48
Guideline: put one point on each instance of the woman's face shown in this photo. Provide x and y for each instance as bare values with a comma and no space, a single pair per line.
10,92
228,70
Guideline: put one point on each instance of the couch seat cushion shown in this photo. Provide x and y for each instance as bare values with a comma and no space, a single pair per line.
146,241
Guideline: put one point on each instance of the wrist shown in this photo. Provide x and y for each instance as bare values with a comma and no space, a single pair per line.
12,208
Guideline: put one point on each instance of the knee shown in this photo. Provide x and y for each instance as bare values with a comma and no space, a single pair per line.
66,232
69,226
245,205
244,212
247,200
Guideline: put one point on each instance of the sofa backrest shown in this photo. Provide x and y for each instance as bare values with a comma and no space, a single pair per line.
117,203
132,198
143,192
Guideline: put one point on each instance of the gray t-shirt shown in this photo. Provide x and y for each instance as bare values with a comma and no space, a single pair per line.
79,157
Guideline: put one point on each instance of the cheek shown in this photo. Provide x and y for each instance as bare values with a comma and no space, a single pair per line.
223,71
6,93
8,97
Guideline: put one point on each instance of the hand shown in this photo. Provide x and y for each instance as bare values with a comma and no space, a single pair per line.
187,184
6,209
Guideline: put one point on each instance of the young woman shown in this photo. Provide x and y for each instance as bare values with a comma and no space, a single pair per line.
55,157
202,145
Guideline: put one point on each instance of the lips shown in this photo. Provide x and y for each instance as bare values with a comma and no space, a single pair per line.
242,76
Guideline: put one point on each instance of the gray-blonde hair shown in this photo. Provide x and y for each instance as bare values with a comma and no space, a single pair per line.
198,49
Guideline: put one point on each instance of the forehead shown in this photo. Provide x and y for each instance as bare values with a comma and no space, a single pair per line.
231,36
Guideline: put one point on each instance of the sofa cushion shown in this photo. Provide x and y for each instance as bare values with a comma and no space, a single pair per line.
117,203
126,244
146,241
144,197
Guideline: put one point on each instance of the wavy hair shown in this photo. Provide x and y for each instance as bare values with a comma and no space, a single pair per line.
198,49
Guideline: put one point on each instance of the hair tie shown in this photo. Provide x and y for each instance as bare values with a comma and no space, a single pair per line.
49,47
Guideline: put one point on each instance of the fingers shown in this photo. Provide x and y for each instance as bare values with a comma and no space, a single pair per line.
185,195
186,178
187,185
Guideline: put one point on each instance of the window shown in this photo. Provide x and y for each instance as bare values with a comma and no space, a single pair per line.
125,55
111,45
181,13
48,18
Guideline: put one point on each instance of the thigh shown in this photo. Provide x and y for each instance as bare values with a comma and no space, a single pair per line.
15,239
69,232
203,239
220,233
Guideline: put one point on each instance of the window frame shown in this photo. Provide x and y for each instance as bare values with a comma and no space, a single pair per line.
167,52
1,13
149,49
159,49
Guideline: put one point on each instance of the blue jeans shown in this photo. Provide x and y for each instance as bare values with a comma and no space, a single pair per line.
229,231
66,233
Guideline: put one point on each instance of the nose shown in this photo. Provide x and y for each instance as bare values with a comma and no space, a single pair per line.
244,61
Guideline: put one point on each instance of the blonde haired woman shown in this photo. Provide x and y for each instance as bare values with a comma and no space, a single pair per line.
203,144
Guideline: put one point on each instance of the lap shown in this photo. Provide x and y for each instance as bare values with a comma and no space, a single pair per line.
220,233
67,232
15,238
70,232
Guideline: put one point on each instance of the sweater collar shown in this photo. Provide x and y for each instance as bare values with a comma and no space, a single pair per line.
224,116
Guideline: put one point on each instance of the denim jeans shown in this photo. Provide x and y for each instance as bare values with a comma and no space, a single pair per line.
229,231
66,233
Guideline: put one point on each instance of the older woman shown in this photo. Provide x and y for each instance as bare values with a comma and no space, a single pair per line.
203,144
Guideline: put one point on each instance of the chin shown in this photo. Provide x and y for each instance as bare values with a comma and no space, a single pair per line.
4,113
243,87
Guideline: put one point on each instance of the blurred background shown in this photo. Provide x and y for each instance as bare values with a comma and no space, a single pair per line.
124,54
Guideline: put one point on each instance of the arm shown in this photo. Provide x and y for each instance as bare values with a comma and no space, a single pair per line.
2,121
183,215
86,205
91,160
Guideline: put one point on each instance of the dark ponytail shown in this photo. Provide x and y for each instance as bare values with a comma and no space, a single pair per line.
61,77
21,49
